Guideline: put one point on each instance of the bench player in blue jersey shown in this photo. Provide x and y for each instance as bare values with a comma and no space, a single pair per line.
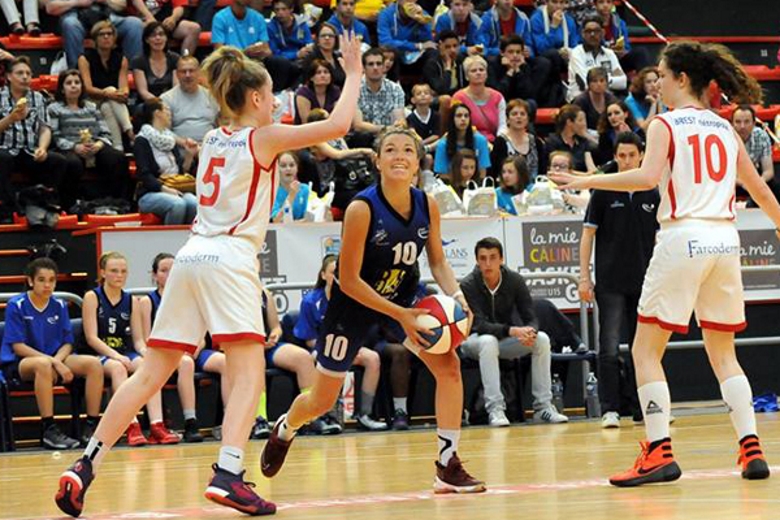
386,228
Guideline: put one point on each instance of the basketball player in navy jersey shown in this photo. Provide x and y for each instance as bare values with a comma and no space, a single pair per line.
112,328
386,228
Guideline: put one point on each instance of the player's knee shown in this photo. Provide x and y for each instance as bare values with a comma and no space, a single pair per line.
186,365
92,366
371,360
43,367
447,367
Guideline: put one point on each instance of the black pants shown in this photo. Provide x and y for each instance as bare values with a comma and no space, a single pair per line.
551,94
111,170
560,328
286,74
614,310
49,172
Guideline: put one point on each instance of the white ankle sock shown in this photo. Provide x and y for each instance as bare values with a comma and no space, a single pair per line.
738,396
399,403
448,444
95,451
286,433
231,459
656,407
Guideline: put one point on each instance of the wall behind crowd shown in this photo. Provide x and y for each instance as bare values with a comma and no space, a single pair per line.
719,18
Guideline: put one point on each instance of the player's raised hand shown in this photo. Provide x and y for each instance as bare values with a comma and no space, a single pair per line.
351,59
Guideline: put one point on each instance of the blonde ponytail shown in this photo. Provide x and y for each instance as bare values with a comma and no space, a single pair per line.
230,75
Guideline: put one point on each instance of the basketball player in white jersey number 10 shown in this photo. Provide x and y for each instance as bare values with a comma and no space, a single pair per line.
213,285
696,157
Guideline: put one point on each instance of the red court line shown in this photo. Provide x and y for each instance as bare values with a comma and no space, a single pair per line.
390,498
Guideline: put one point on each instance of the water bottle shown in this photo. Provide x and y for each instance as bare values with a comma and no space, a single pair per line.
287,215
592,403
557,393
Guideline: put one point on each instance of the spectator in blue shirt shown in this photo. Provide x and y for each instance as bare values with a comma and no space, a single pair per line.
504,19
461,19
289,33
406,27
38,346
343,19
307,328
461,134
554,34
292,197
242,27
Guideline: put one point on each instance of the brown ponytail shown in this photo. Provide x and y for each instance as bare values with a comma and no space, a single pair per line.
230,75
703,63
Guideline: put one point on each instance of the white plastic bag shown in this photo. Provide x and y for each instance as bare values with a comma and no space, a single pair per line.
543,198
481,200
448,201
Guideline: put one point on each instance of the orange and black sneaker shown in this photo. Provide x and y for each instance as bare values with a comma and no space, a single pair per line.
655,464
751,457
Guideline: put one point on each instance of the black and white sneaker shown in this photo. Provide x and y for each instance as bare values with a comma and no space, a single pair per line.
53,439
261,429
367,423
330,425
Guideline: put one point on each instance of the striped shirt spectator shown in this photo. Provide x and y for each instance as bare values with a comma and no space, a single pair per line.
68,125
23,135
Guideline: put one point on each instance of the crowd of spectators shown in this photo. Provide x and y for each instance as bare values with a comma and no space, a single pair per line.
502,63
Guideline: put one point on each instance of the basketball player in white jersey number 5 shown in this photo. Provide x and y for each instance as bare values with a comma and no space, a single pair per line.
696,157
213,285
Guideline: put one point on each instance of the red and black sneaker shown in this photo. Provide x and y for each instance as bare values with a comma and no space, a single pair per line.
274,451
453,478
751,457
655,464
229,489
73,486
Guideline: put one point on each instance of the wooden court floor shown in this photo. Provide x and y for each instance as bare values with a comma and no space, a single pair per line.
537,472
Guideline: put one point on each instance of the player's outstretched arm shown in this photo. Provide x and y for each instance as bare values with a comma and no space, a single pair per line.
277,138
647,177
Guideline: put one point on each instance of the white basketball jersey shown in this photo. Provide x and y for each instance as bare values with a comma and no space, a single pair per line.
235,193
701,179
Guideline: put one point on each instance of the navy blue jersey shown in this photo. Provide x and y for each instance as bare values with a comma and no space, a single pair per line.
394,244
155,298
114,320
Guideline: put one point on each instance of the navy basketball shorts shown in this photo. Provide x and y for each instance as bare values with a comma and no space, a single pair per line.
348,326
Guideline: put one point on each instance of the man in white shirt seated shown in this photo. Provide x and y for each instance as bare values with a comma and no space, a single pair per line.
591,53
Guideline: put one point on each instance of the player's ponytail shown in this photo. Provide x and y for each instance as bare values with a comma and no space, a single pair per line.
230,75
703,63
731,77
